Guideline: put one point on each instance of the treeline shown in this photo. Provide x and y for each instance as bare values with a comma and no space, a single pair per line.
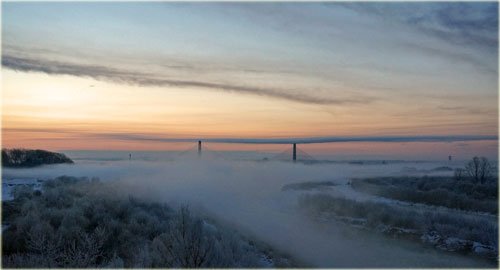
434,190
25,158
472,188
79,223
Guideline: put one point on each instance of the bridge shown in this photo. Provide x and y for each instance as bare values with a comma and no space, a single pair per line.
295,154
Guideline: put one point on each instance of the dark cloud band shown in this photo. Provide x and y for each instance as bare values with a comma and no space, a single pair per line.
121,76
430,138
306,140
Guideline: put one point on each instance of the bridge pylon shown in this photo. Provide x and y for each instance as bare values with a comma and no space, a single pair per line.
294,152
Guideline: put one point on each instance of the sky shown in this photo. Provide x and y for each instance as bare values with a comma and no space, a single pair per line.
121,75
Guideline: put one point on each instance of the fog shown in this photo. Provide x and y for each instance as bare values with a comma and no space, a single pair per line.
247,194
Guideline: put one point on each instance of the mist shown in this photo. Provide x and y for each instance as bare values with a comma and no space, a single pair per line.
248,195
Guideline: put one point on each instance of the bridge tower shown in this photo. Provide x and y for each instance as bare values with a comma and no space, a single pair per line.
199,148
294,153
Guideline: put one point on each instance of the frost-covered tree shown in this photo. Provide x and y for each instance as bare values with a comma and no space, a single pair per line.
479,169
82,223
186,244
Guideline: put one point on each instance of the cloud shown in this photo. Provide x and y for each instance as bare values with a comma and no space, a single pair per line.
474,25
467,32
310,53
466,109
424,138
470,24
299,140
465,58
27,64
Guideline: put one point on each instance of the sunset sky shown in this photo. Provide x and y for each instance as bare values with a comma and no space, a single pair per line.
112,75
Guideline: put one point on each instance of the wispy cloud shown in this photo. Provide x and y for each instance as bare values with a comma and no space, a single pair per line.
298,52
467,109
469,24
142,79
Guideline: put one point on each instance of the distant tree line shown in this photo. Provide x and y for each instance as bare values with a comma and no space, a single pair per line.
434,190
25,158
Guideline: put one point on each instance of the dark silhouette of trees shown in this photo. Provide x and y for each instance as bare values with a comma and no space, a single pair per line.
479,169
19,158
